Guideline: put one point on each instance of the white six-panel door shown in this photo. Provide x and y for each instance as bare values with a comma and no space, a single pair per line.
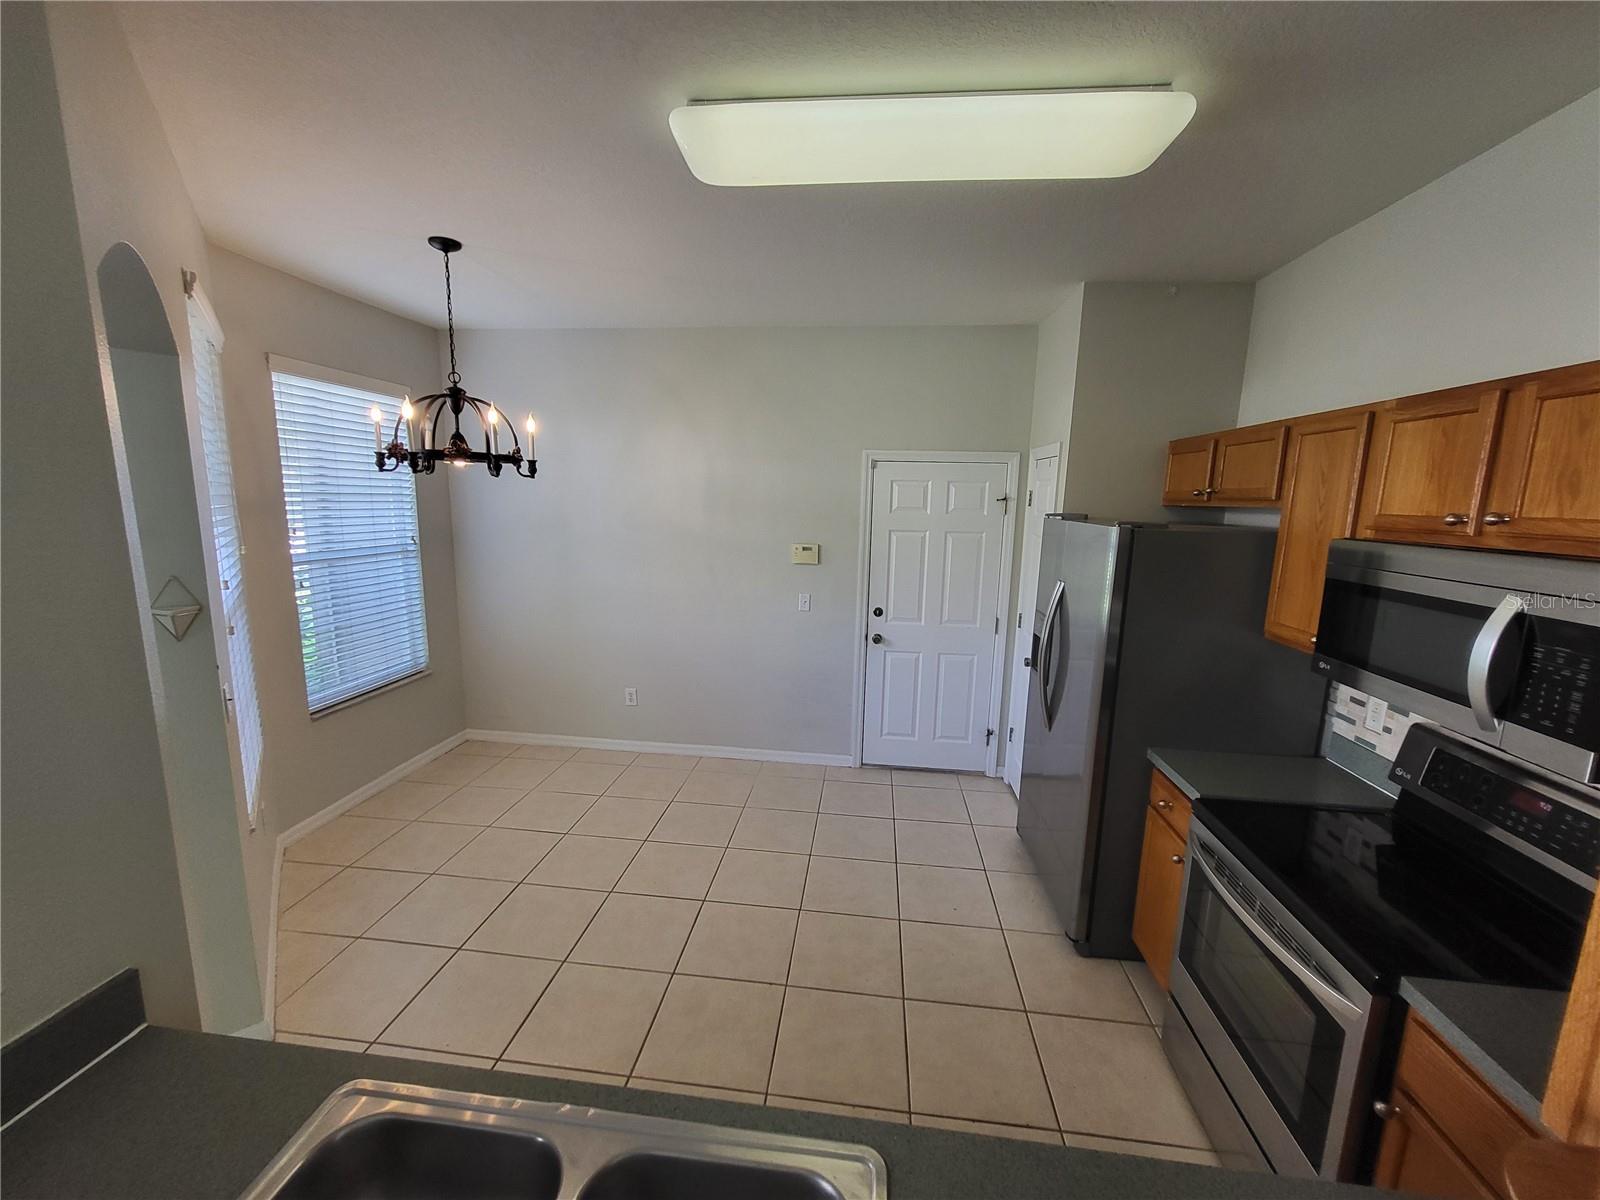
933,587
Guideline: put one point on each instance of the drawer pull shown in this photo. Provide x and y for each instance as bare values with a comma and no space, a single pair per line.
1384,1110
1198,492
1495,518
1455,518
1163,805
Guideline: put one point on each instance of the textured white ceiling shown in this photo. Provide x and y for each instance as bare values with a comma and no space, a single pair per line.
331,139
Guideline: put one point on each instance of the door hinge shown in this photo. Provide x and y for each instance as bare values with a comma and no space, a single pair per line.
997,626
1011,734
988,736
1030,497
1019,620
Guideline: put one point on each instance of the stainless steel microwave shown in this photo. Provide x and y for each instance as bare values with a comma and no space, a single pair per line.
1504,648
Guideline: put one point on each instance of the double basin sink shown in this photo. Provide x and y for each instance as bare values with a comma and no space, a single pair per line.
390,1141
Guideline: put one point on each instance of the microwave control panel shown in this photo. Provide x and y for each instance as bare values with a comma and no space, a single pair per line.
1533,814
1558,689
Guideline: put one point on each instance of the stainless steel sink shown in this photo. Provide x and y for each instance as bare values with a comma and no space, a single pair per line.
391,1141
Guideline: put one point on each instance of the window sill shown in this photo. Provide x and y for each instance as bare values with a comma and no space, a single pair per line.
328,710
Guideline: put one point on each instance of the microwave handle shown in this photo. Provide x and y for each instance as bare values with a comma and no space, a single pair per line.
1330,996
1484,650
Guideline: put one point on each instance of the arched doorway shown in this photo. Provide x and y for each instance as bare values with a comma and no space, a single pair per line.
150,430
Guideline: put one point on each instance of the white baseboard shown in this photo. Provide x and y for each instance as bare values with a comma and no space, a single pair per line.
293,834
261,1031
366,791
563,739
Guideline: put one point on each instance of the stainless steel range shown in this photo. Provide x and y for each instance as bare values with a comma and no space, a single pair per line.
1299,922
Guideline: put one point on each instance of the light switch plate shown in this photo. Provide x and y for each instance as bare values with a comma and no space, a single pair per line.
1377,714
804,553
805,601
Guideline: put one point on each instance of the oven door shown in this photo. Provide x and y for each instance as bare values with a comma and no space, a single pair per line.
1283,1025
1516,669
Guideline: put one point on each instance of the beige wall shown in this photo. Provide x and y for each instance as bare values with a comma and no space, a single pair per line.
1122,369
312,763
90,874
1488,271
1055,378
675,469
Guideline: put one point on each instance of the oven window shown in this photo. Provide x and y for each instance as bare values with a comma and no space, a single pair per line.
1423,641
1291,1043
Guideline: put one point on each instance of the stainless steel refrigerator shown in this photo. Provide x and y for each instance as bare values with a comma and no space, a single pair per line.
1144,635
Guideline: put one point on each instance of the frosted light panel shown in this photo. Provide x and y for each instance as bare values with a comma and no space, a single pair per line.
897,139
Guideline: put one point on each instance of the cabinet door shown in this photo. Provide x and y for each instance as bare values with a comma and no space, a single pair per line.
1321,486
1544,487
1155,908
1249,465
1416,1158
1429,466
1189,470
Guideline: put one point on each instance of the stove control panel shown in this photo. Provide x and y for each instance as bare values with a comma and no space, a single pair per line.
1497,793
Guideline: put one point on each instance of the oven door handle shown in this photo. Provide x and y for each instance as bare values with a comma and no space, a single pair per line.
1480,666
1330,996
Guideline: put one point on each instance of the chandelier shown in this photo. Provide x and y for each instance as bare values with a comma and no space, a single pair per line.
426,415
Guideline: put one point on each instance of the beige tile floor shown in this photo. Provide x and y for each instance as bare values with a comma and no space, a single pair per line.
850,940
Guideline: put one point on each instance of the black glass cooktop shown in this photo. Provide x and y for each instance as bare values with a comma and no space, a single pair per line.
1404,891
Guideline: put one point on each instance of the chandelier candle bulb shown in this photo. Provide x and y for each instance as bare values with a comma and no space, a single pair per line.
494,430
531,428
408,413
377,428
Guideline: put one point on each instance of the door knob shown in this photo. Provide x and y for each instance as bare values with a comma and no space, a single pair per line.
1495,518
1455,518
877,612
877,639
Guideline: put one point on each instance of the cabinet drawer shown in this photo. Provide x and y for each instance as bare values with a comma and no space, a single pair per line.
1480,1125
1170,804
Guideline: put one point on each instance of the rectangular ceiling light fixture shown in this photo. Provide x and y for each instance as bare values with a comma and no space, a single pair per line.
1078,134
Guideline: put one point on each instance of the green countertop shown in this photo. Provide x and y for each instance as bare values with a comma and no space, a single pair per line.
173,1114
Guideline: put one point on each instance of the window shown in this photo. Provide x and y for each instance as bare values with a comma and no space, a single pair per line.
205,340
352,535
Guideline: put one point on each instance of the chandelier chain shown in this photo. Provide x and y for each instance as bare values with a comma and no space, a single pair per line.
450,321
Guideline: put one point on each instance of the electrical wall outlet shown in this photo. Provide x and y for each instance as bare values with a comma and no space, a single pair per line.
805,601
1377,714
630,697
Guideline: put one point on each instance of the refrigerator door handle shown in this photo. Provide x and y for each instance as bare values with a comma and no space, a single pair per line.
1046,658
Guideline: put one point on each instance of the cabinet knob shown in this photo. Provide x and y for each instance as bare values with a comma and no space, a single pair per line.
1455,518
1163,804
1198,492
1211,491
1177,858
1384,1110
1495,518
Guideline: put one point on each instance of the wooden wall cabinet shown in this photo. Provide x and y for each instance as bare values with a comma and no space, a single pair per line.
1240,467
1509,466
1446,1133
1429,464
1321,486
1543,491
1160,896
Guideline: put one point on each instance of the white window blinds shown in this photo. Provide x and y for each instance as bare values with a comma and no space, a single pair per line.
206,342
352,535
